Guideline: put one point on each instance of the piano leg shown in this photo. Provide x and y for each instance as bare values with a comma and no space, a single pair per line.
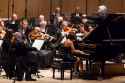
101,66
89,69
87,64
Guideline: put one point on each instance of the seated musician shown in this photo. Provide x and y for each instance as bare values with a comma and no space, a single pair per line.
55,15
67,29
69,49
76,16
13,24
2,32
24,27
39,20
8,59
42,26
23,64
2,24
85,28
2,29
36,33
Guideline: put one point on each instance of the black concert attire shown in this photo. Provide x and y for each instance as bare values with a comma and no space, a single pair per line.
23,63
54,18
13,25
7,56
20,52
25,33
55,32
68,55
52,29
76,18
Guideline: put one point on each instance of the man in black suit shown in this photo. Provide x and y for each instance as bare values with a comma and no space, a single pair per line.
24,28
54,16
55,32
102,14
101,20
76,16
22,48
13,24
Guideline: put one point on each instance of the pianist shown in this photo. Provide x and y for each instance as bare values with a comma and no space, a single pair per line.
69,51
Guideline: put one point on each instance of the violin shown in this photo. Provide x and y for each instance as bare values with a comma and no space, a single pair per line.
69,29
2,33
38,35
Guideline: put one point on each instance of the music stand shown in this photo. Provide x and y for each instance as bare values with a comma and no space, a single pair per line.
38,44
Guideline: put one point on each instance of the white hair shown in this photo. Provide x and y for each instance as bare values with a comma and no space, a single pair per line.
102,9
65,23
18,35
43,23
41,17
60,18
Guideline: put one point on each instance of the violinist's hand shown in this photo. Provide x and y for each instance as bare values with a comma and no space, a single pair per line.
46,36
74,30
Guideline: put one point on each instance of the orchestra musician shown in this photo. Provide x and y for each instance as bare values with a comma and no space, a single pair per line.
2,29
13,23
2,24
36,33
76,16
66,28
22,62
42,26
2,33
43,31
55,15
41,18
8,58
25,29
21,43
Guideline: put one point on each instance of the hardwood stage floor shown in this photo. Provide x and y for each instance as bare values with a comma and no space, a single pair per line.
47,78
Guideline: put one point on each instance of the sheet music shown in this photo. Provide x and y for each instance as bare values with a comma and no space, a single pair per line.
1,42
38,44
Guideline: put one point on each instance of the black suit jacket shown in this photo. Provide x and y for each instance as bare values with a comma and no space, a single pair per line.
76,19
13,25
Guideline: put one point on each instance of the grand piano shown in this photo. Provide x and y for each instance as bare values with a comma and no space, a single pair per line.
109,38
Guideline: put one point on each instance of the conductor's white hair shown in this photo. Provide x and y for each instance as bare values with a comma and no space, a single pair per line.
102,9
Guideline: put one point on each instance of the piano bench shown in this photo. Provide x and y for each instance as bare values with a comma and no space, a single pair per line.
62,67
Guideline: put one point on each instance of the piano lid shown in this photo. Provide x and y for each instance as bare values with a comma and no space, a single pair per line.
112,27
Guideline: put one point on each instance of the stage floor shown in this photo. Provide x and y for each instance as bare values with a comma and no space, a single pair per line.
47,78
